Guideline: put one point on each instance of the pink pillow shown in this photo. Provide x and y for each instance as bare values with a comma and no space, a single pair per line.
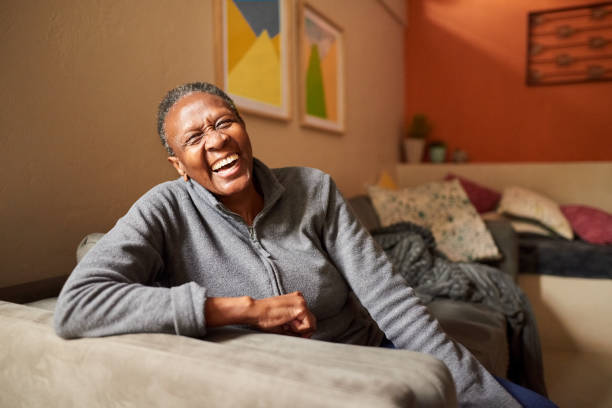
591,224
483,198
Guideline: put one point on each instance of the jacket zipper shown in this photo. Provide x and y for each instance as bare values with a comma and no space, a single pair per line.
265,259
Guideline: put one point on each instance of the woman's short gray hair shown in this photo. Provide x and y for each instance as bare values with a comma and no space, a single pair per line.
177,93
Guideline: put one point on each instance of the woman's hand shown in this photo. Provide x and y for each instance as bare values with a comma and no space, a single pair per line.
285,314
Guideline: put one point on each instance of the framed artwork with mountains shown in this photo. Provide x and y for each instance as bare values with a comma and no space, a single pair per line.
252,40
321,69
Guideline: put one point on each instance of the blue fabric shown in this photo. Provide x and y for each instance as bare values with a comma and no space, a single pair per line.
560,257
526,397
386,343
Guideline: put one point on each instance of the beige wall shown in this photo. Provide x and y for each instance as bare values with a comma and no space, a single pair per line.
80,81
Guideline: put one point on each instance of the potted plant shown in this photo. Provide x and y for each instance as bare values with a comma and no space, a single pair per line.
414,144
437,152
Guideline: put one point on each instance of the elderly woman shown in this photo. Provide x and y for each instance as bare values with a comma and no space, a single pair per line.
234,242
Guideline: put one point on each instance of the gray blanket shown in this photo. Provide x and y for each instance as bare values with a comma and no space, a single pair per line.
412,249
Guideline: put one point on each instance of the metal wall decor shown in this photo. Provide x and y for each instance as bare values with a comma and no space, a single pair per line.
570,45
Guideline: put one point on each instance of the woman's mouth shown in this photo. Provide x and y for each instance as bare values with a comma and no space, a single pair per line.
225,163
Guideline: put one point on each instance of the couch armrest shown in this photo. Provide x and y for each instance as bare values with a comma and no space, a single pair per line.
364,211
235,368
506,240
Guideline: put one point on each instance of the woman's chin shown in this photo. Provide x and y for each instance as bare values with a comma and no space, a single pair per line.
233,187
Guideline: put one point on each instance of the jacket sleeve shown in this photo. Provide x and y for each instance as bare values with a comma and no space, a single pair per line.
111,291
395,307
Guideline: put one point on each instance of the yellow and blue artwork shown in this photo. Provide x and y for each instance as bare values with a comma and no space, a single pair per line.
255,54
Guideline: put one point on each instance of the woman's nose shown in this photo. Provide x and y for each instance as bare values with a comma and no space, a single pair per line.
215,140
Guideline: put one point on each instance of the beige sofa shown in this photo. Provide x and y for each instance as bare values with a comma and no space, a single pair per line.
231,368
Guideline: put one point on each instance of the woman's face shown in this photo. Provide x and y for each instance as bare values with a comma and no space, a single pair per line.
210,144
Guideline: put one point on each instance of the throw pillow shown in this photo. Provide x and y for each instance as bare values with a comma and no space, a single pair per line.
483,198
518,225
87,243
444,208
523,203
530,227
591,224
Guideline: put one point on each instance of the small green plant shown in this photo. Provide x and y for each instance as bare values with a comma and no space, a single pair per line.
420,127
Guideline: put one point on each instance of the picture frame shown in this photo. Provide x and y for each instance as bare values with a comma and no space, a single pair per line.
321,71
253,54
569,45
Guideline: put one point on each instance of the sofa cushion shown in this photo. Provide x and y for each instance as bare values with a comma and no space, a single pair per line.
591,224
479,328
484,199
444,209
507,241
529,205
364,211
236,368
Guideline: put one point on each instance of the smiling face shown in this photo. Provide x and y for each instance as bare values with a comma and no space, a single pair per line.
210,144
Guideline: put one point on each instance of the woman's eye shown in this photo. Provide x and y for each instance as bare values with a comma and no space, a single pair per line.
193,139
224,123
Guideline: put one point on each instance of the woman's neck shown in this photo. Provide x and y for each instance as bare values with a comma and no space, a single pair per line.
247,205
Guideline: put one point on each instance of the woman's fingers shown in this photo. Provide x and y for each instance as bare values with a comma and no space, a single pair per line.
305,326
288,314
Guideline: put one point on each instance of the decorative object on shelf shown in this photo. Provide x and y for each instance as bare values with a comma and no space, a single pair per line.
252,39
414,144
460,156
570,45
321,49
414,149
386,181
437,152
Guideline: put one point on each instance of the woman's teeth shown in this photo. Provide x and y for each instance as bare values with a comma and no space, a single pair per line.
229,160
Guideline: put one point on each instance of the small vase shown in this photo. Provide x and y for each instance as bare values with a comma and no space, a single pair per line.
437,153
413,149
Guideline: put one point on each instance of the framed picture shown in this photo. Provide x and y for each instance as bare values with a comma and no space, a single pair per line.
569,45
252,40
321,79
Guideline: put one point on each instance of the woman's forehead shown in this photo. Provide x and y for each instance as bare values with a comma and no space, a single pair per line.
199,100
197,106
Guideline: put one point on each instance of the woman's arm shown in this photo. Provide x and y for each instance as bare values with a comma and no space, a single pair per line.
395,307
113,291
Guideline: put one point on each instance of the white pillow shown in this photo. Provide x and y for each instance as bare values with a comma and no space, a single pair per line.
87,243
524,203
445,209
530,227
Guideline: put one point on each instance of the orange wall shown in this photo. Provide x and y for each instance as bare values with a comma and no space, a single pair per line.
465,69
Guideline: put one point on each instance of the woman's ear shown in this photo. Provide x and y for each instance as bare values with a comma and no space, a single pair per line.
178,166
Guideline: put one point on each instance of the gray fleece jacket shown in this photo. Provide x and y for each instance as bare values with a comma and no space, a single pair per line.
178,245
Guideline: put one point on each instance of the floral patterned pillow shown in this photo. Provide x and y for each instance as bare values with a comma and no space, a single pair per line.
527,204
445,209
